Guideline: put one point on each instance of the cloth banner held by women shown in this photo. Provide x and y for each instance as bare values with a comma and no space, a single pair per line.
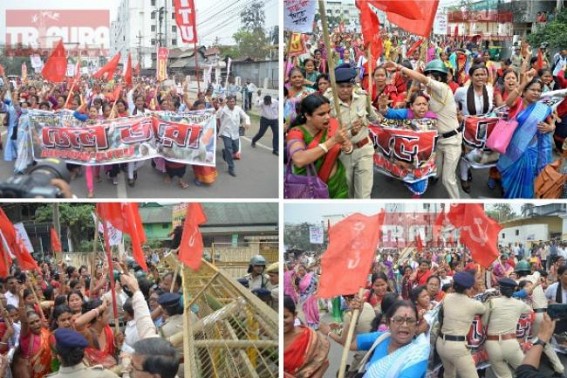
403,151
185,138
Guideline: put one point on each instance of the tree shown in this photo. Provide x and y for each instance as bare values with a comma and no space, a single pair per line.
297,237
554,32
253,16
77,217
501,212
251,38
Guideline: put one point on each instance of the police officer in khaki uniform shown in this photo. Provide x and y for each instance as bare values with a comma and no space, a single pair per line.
70,347
256,277
501,320
354,115
539,305
459,311
273,272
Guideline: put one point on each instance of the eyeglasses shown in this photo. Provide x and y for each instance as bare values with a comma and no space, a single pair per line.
398,320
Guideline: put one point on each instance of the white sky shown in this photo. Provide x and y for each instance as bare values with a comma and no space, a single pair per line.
313,212
214,17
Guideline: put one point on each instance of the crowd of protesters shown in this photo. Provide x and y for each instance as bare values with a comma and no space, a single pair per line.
445,79
474,318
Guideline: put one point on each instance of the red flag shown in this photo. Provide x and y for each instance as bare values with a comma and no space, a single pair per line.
413,47
116,93
55,67
438,225
78,69
108,69
456,214
55,242
5,262
20,252
186,20
347,261
403,13
539,64
408,9
128,71
418,242
137,69
370,31
480,234
191,247
126,218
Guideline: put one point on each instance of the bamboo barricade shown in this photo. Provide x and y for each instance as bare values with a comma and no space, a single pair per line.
236,334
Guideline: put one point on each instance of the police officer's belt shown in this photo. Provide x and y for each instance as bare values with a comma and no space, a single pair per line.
362,143
508,336
451,337
536,310
451,133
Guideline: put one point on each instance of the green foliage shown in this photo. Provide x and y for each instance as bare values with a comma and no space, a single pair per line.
501,212
77,217
251,44
253,16
554,32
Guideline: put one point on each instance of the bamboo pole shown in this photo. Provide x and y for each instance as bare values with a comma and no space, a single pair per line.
330,60
175,273
36,298
236,344
187,325
350,335
111,274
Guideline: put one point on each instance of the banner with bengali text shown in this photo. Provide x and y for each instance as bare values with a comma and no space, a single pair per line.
161,63
405,149
188,138
299,15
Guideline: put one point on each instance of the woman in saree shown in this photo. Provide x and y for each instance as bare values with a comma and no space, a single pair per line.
305,350
33,359
316,138
297,90
399,352
311,74
530,149
418,109
306,284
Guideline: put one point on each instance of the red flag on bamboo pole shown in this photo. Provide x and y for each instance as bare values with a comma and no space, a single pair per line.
55,67
126,218
128,71
108,69
21,254
539,63
347,261
479,233
191,246
418,243
55,242
414,47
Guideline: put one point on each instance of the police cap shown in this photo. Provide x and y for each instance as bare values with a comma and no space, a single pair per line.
68,338
464,279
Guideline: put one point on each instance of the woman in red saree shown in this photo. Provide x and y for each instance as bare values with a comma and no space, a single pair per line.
33,359
305,350
315,137
102,345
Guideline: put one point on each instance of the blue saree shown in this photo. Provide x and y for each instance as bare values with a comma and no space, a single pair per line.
527,154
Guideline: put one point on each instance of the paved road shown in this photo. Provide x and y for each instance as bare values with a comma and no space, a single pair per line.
257,176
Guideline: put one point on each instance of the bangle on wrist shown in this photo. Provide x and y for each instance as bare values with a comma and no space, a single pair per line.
323,147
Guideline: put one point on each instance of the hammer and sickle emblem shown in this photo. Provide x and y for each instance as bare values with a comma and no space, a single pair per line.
480,236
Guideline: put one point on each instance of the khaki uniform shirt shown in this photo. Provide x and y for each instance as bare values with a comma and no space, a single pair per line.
538,295
504,315
357,109
458,313
365,319
81,370
256,282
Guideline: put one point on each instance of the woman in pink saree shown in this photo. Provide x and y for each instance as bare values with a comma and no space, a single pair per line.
306,283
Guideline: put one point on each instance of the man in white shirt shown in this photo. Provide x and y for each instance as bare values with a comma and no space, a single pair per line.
268,118
12,296
231,116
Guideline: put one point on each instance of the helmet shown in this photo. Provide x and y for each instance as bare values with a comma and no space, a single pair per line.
522,266
436,65
258,260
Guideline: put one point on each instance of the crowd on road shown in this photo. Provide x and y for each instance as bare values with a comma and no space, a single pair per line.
436,313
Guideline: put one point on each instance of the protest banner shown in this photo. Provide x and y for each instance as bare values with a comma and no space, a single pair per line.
296,45
316,234
475,132
161,71
405,149
185,138
185,19
299,15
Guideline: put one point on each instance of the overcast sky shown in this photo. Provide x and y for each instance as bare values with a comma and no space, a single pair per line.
214,17
314,212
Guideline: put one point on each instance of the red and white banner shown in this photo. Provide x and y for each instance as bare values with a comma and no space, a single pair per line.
296,45
90,28
475,133
185,18
161,64
402,152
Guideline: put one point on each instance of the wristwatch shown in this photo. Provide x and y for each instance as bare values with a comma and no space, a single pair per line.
537,341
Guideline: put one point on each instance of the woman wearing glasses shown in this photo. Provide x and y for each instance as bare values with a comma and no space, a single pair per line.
459,310
398,352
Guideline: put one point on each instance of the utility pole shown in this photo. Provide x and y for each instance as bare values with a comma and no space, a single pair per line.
165,23
56,223
139,48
